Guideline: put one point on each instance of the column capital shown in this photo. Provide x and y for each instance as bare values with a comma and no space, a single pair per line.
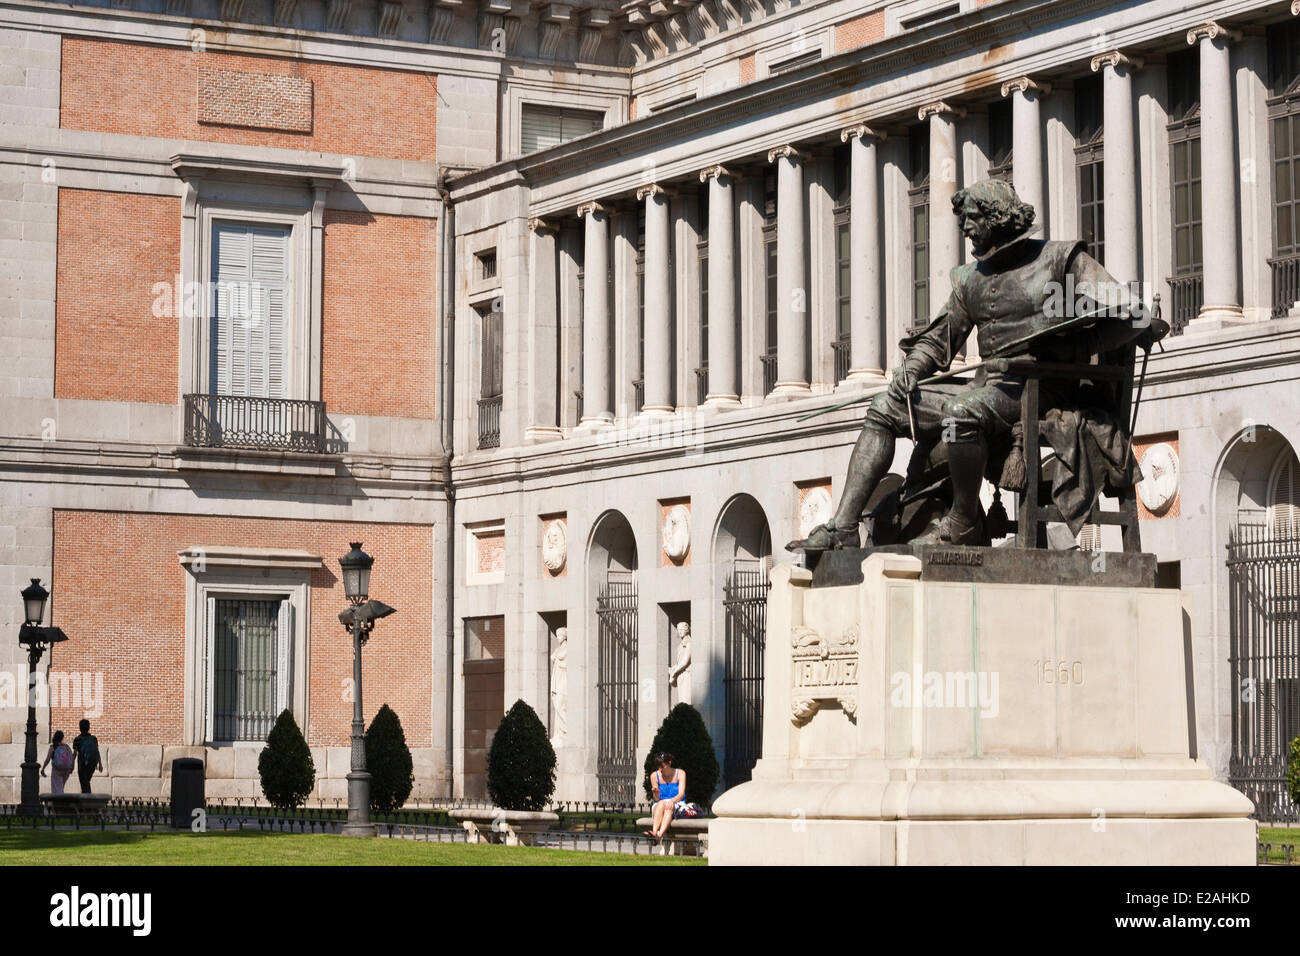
590,208
862,131
651,190
939,108
540,225
1116,59
1212,30
718,171
1026,86
784,152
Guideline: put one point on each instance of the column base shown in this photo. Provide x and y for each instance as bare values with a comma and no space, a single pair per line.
788,390
359,830
1214,317
539,433
720,402
656,411
862,378
591,426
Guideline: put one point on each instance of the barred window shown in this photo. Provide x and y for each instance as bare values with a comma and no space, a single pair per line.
249,643
843,260
1088,134
1186,283
919,206
1000,140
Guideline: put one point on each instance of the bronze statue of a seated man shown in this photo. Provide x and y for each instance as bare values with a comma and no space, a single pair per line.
1017,288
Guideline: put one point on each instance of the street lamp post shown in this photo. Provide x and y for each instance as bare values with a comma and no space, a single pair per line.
35,638
358,619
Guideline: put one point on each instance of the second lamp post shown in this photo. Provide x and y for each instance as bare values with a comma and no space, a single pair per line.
359,620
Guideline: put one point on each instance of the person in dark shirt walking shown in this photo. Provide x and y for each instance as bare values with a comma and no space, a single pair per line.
86,747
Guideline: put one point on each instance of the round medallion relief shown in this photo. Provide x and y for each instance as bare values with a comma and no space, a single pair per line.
555,546
677,532
1159,485
815,509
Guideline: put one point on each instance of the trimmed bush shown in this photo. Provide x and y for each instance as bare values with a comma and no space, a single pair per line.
389,761
1293,773
684,735
285,764
521,762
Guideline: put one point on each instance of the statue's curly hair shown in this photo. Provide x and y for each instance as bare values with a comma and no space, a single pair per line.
1007,215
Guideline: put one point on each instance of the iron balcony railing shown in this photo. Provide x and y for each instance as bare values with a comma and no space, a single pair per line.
842,357
638,394
1187,293
489,422
246,421
768,359
1286,282
702,384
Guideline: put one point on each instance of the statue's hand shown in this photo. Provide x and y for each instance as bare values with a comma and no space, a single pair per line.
902,383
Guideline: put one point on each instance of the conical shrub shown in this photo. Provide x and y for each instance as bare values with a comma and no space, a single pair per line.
389,761
521,762
285,765
684,735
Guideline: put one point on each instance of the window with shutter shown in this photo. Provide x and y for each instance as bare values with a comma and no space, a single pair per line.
249,332
1284,502
542,127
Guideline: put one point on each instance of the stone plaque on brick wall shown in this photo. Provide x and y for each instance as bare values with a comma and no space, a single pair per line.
256,100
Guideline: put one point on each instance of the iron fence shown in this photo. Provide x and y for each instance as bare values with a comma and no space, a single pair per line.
1187,295
1286,282
489,422
1264,660
745,604
616,688
246,421
843,359
768,359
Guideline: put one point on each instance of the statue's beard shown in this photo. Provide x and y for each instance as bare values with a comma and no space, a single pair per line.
995,243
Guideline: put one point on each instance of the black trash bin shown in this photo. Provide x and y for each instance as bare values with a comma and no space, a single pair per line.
187,791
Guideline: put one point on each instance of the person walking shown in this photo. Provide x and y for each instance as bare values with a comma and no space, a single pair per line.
61,756
86,747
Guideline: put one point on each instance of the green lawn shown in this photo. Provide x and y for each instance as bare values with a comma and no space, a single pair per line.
1276,835
252,848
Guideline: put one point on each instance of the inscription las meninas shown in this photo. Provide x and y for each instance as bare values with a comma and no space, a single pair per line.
825,669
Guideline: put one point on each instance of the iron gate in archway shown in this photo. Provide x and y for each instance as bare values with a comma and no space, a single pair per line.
1264,604
616,688
745,602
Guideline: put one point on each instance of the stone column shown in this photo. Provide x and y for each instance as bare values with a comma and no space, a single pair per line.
1219,177
723,389
791,269
1119,152
543,334
596,410
866,302
657,373
945,232
1027,145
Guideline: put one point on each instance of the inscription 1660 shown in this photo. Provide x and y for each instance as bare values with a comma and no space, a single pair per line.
1058,672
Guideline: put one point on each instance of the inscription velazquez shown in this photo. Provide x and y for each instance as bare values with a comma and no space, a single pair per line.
972,558
835,672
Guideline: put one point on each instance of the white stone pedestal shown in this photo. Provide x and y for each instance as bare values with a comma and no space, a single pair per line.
911,722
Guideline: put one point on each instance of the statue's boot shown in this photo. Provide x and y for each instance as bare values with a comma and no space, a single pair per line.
964,522
872,456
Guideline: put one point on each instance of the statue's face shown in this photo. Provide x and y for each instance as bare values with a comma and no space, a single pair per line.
974,224
683,629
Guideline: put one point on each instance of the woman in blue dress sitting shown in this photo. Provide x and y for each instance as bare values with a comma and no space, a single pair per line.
670,786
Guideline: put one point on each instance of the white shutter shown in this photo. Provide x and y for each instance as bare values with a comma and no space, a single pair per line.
207,669
250,327
1285,507
284,637
544,126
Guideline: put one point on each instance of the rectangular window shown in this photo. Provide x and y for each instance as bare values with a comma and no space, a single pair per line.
843,262
1284,131
702,255
769,255
1088,161
491,360
638,384
487,264
248,650
249,330
1000,140
542,127
919,205
1186,284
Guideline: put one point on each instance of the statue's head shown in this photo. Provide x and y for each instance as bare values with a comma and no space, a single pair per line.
991,214
683,629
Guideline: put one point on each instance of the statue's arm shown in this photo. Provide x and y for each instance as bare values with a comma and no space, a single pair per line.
1126,318
934,348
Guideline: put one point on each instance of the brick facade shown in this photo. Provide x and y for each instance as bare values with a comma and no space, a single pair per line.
140,89
869,28
112,249
121,599
379,329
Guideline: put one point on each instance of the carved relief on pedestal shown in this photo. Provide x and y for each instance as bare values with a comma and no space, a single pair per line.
555,545
825,669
